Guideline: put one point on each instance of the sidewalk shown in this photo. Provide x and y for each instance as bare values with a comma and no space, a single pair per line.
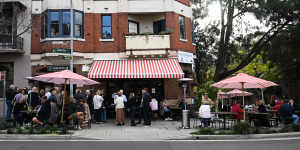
160,130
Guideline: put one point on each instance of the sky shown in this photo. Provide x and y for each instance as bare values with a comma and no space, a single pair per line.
214,13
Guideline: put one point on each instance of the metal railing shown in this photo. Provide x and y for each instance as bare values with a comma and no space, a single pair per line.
10,42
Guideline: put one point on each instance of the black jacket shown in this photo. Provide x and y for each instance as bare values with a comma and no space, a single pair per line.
10,94
131,102
45,111
33,99
146,101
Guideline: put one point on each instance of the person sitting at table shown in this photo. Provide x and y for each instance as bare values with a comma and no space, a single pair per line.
277,106
236,108
204,113
287,112
261,120
43,112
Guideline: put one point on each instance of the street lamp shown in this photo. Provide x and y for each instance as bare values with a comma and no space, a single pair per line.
71,43
185,112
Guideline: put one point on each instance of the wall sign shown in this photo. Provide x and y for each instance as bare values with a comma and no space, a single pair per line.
185,57
61,50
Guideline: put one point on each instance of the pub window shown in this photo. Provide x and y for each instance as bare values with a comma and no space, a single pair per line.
106,27
66,24
57,23
54,23
159,26
182,27
78,24
133,27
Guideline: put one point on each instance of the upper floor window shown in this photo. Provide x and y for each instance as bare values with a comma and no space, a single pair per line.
57,23
182,27
106,27
159,26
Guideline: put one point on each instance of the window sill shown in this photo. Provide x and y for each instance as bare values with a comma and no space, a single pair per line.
106,40
61,39
183,40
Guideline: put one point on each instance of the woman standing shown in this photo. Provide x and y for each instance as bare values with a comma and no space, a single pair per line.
119,105
132,106
98,100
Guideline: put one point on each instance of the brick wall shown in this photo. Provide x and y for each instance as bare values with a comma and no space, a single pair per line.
36,34
185,2
172,22
92,34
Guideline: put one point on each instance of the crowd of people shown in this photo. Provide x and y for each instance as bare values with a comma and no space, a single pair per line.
286,110
44,107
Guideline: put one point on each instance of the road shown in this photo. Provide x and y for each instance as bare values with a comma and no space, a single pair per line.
271,144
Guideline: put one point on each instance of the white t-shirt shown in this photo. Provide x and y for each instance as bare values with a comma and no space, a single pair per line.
204,111
97,100
48,94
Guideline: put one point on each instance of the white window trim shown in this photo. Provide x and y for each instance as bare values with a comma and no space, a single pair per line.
61,39
106,40
183,40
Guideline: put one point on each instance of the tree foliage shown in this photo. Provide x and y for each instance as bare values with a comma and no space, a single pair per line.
227,39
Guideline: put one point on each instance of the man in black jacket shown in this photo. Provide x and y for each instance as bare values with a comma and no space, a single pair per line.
146,99
10,95
43,113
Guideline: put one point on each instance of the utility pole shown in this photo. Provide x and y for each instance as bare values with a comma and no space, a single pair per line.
71,43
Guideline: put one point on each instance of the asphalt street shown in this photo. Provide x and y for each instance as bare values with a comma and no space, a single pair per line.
276,144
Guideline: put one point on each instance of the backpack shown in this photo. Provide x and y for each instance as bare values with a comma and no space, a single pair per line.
154,104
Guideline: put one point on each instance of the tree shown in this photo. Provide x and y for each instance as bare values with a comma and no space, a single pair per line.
276,16
15,18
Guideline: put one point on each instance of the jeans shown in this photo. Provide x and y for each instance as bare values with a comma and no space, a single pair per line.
295,118
102,114
132,115
9,109
98,115
205,121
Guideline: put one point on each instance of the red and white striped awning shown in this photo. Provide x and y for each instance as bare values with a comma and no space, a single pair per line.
136,68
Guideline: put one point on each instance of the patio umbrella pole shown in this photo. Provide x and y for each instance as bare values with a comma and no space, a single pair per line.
63,103
244,114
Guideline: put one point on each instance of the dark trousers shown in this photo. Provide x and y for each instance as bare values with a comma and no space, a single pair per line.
98,115
19,117
140,114
132,115
9,109
147,116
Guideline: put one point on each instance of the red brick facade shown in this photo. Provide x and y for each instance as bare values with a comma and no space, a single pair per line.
92,35
185,2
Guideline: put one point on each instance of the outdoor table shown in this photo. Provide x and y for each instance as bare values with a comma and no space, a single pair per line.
255,115
224,116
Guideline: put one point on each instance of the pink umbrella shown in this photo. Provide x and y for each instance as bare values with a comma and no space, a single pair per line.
64,77
243,81
237,92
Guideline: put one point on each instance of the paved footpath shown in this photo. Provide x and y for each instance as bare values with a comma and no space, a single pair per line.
160,130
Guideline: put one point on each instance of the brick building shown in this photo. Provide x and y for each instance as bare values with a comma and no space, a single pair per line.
114,39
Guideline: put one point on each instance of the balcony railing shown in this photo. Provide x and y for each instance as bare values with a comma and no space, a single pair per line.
7,42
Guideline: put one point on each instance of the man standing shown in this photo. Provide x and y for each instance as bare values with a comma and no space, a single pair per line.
146,99
287,112
123,96
10,95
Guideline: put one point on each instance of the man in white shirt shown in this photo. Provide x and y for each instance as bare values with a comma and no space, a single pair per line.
123,96
47,91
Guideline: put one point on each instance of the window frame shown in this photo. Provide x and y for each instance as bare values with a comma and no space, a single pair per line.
47,33
102,26
181,17
137,24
